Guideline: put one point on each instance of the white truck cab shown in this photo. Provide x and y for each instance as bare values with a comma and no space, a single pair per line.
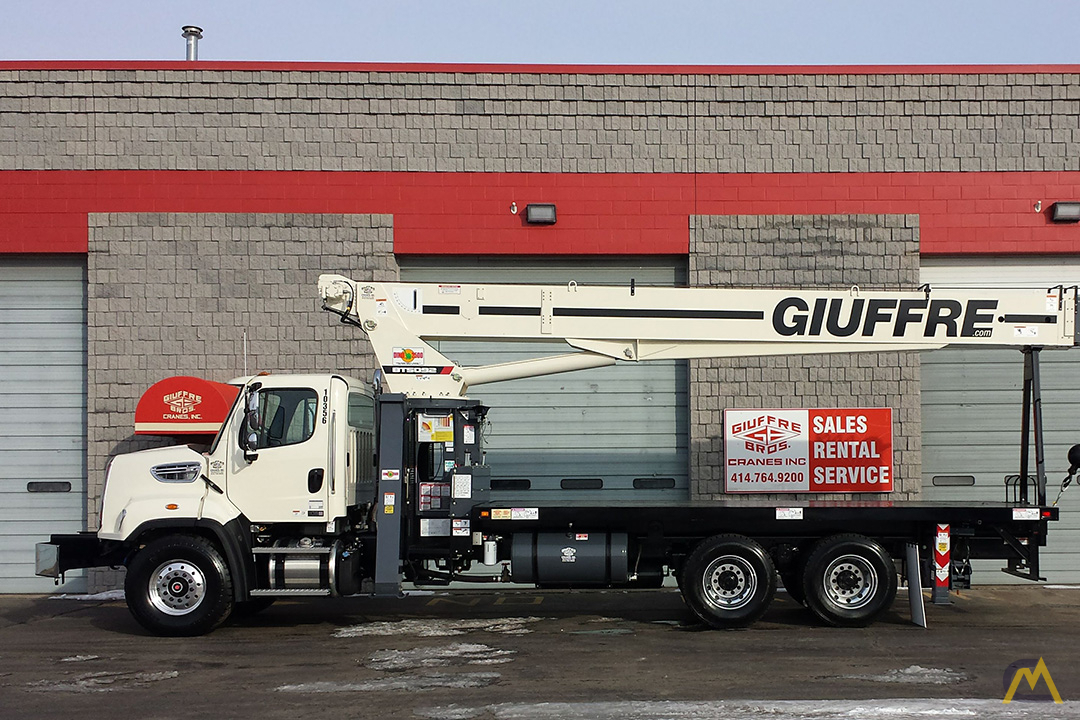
293,449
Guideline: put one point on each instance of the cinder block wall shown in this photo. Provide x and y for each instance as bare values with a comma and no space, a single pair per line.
197,119
173,294
874,252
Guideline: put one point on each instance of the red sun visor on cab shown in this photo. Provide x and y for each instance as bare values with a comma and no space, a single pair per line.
184,405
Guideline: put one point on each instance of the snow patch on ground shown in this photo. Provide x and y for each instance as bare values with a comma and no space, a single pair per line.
1062,587
96,597
468,653
915,675
408,683
899,709
103,682
80,658
438,628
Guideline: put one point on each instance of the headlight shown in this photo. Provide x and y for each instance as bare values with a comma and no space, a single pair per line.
181,472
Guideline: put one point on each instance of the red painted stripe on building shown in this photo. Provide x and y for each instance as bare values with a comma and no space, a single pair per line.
469,213
553,69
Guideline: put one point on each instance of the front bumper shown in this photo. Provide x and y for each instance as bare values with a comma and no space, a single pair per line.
71,552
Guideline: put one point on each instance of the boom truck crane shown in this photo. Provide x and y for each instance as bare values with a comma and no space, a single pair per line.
326,485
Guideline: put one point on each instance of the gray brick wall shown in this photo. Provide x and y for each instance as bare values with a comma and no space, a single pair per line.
172,294
834,251
526,122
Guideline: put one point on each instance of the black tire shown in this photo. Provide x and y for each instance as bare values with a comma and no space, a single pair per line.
728,581
179,585
849,580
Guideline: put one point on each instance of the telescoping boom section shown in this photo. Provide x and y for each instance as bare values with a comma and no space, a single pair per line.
605,324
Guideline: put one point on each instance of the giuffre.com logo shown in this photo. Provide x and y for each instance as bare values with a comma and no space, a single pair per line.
1035,676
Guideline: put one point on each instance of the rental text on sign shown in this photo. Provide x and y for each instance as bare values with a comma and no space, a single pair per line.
843,450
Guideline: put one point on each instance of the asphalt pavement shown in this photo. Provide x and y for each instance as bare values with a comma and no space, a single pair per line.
531,655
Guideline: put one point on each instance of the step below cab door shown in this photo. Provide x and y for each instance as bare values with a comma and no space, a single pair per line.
281,476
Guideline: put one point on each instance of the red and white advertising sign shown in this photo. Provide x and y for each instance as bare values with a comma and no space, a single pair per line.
836,450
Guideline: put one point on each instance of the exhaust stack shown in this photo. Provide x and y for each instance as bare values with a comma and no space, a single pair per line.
193,35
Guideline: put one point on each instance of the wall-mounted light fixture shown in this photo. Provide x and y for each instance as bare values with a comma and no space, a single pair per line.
1065,212
540,213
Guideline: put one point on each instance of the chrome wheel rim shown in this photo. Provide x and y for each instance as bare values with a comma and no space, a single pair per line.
729,582
851,582
177,587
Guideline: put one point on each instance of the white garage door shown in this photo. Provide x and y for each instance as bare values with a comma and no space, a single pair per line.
43,420
971,402
624,426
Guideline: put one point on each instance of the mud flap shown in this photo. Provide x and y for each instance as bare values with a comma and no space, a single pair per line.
914,586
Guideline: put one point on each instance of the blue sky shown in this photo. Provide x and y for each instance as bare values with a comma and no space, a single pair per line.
766,32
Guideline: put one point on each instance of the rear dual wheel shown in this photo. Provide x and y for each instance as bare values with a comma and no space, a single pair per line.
728,581
848,580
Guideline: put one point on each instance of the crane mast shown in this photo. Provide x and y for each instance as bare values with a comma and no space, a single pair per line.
605,324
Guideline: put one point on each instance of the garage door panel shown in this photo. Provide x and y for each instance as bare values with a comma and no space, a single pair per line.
10,487
43,423
63,427
54,461
22,580
43,513
995,439
13,357
41,444
63,336
30,316
1058,569
62,271
42,400
27,294
54,385
968,458
15,495
618,470
614,423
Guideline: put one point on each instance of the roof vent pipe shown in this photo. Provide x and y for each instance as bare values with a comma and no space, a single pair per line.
192,34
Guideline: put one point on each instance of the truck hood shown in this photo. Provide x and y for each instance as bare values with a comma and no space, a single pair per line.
170,453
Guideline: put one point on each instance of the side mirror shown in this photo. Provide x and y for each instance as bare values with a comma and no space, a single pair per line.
254,420
253,423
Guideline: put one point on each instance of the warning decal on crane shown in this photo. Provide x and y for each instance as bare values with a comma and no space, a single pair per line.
840,450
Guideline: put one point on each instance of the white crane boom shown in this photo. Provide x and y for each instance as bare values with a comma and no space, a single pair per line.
633,323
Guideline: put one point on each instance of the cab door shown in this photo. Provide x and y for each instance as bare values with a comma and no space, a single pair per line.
283,478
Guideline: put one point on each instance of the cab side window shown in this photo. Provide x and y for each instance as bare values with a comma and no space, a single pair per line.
361,411
288,417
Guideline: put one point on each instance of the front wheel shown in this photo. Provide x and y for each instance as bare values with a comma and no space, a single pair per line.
849,580
728,581
179,585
